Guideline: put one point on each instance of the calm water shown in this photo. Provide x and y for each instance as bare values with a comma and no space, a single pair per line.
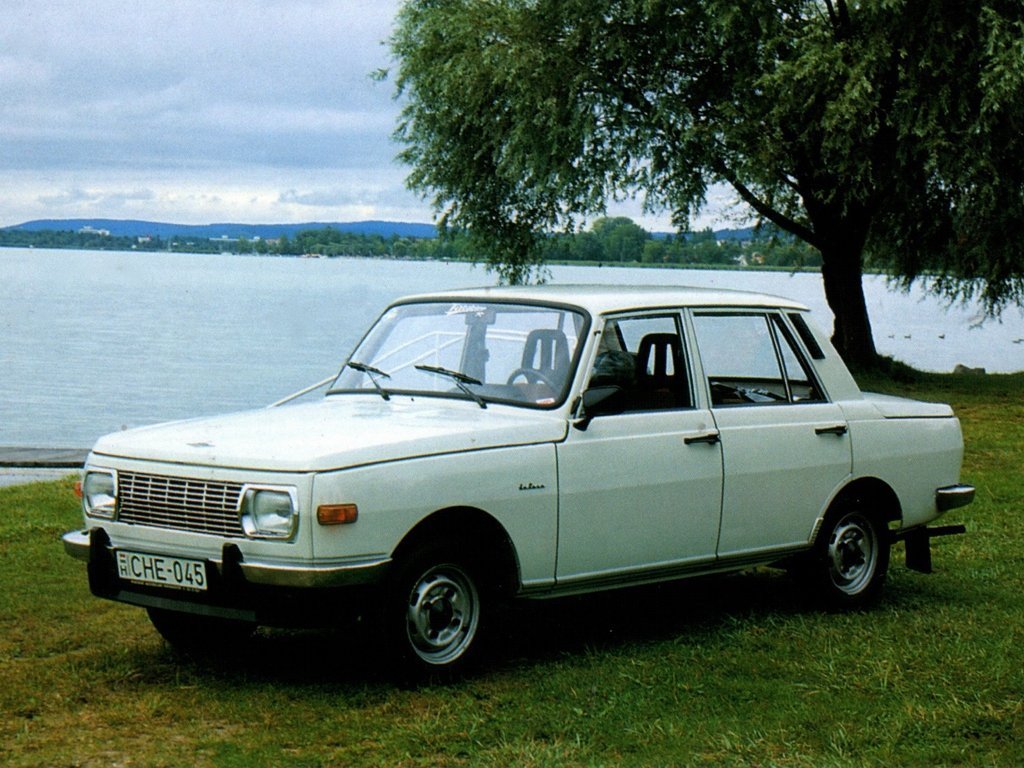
92,342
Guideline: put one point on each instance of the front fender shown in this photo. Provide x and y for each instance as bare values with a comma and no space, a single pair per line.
517,486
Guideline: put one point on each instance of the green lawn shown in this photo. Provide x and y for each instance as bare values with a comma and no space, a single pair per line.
734,671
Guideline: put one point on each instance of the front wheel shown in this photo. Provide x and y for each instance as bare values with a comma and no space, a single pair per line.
434,612
849,564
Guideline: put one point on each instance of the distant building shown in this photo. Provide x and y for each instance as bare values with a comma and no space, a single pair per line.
87,230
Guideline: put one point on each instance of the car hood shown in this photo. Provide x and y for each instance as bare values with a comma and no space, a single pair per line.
334,433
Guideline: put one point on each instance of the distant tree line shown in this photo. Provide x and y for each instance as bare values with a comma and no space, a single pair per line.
617,240
620,240
51,238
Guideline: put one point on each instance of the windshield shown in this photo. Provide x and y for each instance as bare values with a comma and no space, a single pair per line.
487,351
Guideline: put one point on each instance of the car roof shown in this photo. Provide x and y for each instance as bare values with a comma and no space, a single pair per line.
605,299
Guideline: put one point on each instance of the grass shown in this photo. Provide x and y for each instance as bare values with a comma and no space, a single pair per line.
730,671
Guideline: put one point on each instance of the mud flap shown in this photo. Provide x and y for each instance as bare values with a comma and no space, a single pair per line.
919,545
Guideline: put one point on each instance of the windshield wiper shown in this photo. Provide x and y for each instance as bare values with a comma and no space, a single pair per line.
372,373
460,379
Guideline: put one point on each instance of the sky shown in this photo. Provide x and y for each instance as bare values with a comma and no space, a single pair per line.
203,111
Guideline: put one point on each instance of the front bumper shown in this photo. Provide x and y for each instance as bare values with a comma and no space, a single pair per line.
271,593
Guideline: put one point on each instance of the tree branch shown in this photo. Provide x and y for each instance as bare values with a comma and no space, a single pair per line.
831,13
776,217
844,13
839,18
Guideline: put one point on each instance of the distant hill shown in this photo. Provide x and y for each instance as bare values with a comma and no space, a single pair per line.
741,235
164,230
746,233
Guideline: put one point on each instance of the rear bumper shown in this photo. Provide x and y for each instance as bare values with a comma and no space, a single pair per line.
953,496
270,593
918,540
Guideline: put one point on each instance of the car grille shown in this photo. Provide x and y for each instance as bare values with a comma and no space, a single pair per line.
179,503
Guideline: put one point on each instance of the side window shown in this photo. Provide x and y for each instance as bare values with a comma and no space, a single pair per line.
751,359
810,342
802,386
644,356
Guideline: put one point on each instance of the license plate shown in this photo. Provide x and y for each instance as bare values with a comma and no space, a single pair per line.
175,572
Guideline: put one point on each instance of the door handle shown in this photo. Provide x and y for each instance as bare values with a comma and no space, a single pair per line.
710,438
835,429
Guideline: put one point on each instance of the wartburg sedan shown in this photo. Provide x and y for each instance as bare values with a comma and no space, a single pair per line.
522,442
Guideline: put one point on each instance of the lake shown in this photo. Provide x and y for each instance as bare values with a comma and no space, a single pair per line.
93,342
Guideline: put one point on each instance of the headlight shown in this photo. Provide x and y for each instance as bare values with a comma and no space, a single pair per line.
269,513
99,494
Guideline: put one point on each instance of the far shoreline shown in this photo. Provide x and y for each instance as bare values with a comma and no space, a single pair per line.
474,262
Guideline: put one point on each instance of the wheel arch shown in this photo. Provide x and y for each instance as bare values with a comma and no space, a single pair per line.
850,552
870,493
494,550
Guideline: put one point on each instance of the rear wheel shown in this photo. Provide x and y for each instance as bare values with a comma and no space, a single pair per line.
434,612
850,561
195,634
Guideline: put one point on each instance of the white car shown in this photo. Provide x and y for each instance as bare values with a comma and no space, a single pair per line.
525,442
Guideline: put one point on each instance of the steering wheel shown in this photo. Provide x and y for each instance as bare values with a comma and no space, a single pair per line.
533,376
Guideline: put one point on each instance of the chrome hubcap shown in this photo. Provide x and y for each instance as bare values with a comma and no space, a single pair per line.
852,553
442,615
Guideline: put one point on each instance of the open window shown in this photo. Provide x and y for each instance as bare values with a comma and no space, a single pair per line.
644,356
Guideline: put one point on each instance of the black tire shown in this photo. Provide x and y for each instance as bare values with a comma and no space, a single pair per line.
200,635
850,559
433,612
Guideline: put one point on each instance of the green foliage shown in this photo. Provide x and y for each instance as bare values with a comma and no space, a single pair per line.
884,129
89,241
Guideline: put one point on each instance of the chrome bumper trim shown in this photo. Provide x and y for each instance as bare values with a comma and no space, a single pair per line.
953,496
309,576
76,544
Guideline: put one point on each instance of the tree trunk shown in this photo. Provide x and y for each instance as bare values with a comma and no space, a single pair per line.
839,230
842,274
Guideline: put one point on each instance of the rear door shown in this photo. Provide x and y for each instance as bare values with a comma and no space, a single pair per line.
786,448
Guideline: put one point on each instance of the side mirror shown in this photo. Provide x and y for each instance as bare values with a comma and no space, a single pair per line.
598,401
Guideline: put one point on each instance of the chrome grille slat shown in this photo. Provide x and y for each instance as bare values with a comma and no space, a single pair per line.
179,503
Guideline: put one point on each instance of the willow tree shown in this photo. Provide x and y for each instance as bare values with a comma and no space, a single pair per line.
889,130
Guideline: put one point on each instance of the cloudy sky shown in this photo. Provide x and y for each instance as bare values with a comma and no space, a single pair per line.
199,111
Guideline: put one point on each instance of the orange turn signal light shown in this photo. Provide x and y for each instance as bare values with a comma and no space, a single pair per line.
337,514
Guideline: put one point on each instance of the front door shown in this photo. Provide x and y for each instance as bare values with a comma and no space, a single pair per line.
640,489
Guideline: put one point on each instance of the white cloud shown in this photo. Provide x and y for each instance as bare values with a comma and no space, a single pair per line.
77,202
319,198
72,197
18,73
263,195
